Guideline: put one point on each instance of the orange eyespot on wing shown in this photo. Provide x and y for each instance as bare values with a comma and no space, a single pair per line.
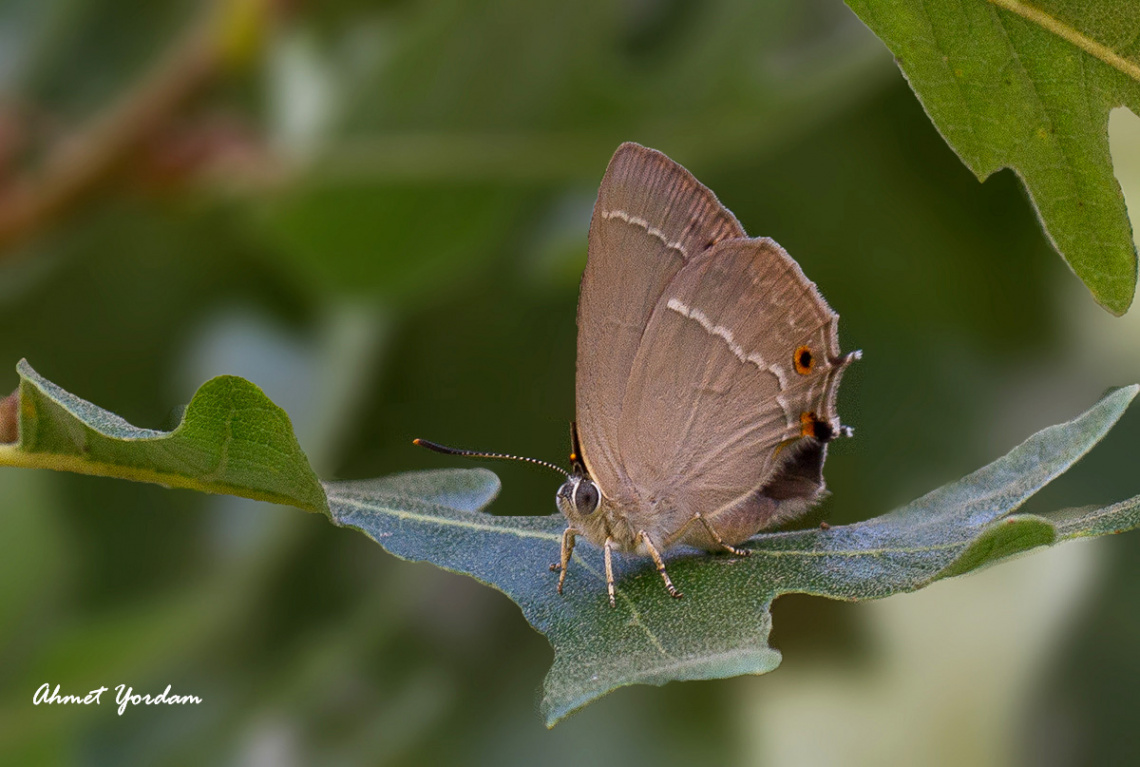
803,360
812,426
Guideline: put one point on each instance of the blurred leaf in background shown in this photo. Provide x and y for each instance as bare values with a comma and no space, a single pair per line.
378,214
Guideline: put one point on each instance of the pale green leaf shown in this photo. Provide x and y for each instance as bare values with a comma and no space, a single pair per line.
720,628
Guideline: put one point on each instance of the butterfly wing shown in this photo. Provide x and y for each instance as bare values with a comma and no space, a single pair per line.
651,218
731,398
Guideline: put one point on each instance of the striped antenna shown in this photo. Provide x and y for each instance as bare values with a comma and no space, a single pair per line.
476,454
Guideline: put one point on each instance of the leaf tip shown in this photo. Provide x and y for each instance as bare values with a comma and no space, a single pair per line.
1124,394
1116,305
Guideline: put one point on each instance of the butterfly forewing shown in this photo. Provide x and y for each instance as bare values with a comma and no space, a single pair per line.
651,218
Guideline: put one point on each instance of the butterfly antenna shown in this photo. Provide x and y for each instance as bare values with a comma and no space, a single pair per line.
476,454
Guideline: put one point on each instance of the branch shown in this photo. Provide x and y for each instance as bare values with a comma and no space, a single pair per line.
79,164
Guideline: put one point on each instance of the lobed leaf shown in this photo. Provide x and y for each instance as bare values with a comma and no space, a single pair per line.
1028,85
233,439
721,627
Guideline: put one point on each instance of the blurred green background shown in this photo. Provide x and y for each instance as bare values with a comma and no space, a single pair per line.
377,211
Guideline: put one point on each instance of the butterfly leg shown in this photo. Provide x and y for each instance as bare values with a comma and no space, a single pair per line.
567,550
720,541
608,549
644,538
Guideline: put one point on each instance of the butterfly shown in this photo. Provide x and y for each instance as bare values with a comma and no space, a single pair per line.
707,372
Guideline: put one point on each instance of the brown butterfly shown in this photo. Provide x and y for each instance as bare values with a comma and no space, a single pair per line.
708,367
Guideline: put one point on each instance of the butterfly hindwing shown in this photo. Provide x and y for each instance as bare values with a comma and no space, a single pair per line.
738,365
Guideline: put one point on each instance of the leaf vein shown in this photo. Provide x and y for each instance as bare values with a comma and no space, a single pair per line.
444,522
860,552
1071,35
618,591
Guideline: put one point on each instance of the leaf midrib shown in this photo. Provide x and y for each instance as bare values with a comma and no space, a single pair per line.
13,456
1069,34
373,507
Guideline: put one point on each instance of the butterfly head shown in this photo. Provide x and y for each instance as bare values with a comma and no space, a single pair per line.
578,499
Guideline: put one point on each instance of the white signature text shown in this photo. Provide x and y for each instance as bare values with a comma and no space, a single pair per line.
124,695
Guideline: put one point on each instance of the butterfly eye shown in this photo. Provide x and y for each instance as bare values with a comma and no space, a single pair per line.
586,497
